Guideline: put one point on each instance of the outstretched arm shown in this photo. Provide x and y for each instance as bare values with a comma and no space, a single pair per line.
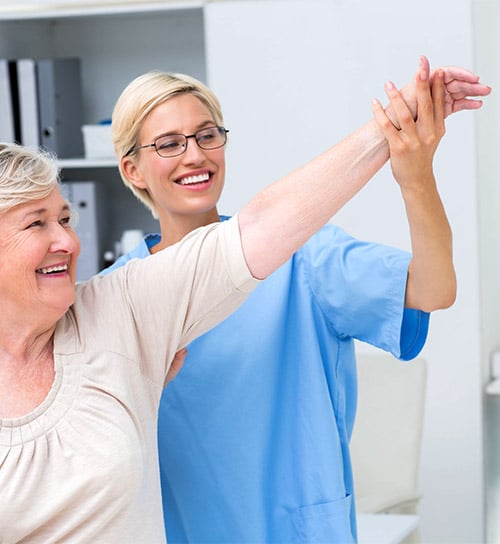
283,216
431,280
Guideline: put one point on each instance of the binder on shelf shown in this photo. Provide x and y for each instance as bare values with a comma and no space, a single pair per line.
7,131
28,102
60,106
14,96
86,198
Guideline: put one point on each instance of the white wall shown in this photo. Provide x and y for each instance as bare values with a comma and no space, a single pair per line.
486,19
294,77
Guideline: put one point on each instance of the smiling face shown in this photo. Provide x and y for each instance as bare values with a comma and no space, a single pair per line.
188,186
38,254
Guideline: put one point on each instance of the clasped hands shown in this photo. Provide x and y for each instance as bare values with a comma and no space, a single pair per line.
413,123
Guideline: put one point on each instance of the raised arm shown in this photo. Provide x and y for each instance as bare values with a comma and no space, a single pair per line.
431,280
283,216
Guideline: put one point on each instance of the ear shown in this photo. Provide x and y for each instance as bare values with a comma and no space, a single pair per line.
132,172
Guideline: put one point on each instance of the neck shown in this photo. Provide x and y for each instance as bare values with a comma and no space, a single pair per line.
173,229
26,375
22,348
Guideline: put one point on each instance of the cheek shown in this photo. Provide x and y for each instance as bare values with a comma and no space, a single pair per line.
77,244
159,174
76,253
25,250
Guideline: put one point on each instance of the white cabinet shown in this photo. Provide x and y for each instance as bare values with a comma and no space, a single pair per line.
114,46
115,42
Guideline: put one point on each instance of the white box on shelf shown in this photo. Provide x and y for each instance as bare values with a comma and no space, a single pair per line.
97,141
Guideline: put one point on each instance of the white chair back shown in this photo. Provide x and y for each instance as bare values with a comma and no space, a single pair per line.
385,446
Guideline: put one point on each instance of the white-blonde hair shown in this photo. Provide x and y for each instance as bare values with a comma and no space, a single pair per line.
135,103
26,174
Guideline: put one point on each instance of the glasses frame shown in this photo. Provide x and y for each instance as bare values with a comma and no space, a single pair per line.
222,130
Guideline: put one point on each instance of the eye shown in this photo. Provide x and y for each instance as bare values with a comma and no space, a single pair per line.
207,135
38,223
69,221
168,143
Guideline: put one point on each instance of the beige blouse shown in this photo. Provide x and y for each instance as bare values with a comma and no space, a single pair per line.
82,467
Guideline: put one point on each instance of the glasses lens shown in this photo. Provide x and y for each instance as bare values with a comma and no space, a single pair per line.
170,146
175,144
211,138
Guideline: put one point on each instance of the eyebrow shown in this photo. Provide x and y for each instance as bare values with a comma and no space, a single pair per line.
41,211
201,126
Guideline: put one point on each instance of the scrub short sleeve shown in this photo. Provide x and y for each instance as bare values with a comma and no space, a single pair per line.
360,287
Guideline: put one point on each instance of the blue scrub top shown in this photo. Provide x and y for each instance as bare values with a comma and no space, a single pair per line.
254,431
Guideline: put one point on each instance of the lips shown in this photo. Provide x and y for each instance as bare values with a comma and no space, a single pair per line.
194,180
53,269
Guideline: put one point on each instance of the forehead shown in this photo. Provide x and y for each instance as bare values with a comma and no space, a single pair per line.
180,113
54,203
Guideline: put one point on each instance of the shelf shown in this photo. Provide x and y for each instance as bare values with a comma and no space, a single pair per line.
18,10
88,163
493,387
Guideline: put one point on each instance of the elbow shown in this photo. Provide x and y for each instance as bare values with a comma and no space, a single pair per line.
443,303
442,300
431,291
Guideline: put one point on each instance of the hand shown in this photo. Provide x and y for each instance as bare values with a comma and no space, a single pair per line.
412,147
176,365
461,86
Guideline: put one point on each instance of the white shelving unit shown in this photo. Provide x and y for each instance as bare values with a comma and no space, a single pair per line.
115,41
69,164
28,9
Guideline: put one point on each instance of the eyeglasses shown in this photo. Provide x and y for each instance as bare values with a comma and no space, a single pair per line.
172,145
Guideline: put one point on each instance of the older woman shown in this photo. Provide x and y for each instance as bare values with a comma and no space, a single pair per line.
82,368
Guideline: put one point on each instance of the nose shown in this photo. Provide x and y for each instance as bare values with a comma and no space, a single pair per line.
64,239
193,152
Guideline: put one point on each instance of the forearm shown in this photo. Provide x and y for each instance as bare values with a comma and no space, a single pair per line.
431,283
282,217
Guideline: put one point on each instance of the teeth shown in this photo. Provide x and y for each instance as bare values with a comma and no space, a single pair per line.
50,269
194,179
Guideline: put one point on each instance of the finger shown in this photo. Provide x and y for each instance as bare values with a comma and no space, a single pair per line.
404,117
425,112
461,89
176,364
438,99
385,125
466,104
424,66
179,358
456,73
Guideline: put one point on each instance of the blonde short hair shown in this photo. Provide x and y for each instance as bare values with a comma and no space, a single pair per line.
135,103
25,175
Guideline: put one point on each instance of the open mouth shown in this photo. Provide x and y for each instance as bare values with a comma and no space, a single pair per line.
52,269
194,180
